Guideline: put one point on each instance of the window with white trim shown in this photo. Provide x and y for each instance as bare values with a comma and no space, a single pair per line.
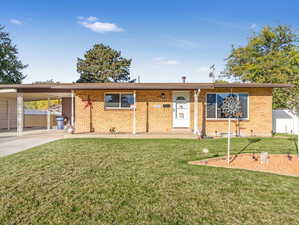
119,100
215,101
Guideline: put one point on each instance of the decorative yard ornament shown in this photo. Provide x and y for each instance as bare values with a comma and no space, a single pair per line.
231,107
89,104
205,150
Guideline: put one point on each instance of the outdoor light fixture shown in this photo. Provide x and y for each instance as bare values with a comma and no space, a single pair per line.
163,95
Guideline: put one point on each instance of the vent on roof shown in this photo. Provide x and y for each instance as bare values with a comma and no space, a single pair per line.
184,79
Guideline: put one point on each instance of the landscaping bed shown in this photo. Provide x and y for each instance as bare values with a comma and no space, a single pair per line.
284,164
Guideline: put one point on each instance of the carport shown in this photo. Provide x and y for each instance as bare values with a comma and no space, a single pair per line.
13,96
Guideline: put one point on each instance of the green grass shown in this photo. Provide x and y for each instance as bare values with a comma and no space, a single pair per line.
285,135
122,181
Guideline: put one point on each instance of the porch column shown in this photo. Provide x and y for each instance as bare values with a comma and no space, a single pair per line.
196,94
134,113
20,114
48,116
8,115
73,108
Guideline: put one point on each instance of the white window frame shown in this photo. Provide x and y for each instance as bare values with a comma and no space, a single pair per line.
236,93
120,94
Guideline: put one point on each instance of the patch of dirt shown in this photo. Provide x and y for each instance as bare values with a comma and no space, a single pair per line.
277,163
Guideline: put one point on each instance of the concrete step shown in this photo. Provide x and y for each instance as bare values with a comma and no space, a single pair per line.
181,130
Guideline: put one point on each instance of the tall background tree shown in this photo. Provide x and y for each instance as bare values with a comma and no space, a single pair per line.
103,64
270,56
10,65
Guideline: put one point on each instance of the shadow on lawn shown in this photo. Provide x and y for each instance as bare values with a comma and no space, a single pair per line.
250,142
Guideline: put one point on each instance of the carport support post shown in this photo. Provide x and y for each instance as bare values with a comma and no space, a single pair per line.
8,114
72,106
48,116
134,113
196,94
20,114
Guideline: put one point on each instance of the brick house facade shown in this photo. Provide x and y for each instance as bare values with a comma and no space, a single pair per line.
154,112
153,107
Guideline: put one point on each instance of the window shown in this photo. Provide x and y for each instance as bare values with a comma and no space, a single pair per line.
215,101
119,100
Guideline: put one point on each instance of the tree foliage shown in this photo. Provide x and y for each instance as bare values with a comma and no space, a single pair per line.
51,81
41,104
270,56
10,65
103,64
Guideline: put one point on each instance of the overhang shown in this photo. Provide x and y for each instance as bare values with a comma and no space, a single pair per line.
67,87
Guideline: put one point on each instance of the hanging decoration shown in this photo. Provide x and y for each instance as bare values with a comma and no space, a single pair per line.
88,103
90,106
231,107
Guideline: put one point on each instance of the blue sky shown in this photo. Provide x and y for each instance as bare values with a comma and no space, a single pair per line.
165,39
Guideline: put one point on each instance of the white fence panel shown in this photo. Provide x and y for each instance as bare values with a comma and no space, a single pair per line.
285,121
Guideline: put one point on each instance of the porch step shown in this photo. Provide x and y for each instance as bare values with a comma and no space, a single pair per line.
181,130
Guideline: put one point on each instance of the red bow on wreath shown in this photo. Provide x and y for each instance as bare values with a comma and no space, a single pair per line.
88,103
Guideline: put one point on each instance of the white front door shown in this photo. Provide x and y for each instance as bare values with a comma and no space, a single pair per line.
180,113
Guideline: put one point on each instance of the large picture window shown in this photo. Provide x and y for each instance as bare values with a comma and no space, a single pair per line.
215,102
119,100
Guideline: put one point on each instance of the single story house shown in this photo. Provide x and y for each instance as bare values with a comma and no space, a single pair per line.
152,107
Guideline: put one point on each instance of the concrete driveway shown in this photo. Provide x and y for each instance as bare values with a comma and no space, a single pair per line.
12,144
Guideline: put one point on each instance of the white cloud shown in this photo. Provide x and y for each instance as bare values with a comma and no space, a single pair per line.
163,61
15,21
92,18
94,25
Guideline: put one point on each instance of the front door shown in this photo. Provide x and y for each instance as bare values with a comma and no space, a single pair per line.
180,109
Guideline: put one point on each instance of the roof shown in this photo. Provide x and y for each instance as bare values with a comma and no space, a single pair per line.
135,86
251,85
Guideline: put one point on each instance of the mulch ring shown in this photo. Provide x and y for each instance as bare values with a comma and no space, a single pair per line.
283,164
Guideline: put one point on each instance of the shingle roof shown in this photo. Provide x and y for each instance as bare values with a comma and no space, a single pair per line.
139,86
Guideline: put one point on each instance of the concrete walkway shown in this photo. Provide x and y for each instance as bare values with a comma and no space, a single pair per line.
12,144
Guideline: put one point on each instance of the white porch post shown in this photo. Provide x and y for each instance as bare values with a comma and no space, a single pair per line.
48,116
134,113
8,115
20,114
196,94
73,108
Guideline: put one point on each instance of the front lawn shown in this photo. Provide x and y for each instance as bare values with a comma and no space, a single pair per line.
126,181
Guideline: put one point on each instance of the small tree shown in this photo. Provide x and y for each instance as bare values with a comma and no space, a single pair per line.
10,65
103,64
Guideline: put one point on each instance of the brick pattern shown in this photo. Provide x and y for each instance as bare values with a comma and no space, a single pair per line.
151,116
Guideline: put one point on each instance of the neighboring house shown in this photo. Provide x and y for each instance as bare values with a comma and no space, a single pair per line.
155,107
285,121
